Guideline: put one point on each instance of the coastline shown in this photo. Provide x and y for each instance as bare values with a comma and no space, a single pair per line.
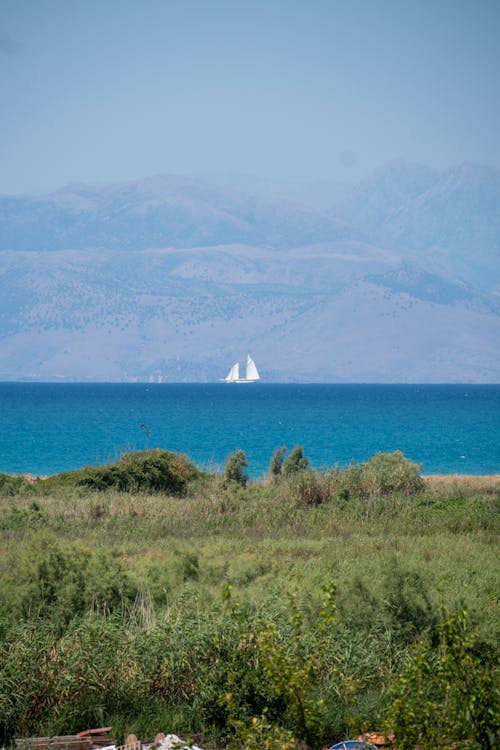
488,483
479,481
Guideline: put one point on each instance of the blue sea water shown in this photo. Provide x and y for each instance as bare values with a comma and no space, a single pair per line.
47,428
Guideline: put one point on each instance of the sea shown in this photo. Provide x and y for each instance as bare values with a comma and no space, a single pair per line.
47,428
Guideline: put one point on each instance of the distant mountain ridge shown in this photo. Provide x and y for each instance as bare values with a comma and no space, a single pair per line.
450,219
160,211
173,278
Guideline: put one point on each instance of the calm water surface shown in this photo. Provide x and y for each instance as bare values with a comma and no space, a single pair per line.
47,428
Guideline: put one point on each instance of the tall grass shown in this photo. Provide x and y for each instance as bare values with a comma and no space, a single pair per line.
143,609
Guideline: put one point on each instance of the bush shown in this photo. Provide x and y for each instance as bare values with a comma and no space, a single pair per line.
308,488
407,605
293,668
17,517
391,472
59,581
144,471
11,485
447,697
233,470
384,474
260,734
276,464
295,462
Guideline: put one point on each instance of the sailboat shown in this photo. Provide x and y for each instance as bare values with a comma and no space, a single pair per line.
251,373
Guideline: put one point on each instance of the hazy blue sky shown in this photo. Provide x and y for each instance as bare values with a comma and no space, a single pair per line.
112,89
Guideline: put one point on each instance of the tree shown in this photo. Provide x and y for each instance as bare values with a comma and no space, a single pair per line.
276,464
295,462
234,469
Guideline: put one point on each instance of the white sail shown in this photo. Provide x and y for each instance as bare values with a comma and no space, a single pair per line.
251,372
233,374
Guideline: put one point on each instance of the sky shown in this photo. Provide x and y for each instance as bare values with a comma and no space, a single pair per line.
109,90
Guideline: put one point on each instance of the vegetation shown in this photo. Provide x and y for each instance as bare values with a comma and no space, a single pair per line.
276,464
447,692
287,613
234,470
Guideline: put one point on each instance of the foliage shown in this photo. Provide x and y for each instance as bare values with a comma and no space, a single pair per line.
260,734
280,466
293,668
61,581
410,611
11,485
27,517
308,488
111,608
147,471
383,475
295,462
276,463
234,469
448,697
390,472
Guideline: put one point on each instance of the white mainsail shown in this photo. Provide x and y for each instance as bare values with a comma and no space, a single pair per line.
251,372
233,374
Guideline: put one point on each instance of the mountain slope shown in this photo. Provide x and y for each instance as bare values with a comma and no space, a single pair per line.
161,211
175,278
380,195
313,314
451,220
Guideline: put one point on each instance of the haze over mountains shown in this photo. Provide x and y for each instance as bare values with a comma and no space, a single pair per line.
395,279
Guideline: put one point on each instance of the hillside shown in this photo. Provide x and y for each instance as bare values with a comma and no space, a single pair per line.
173,278
449,220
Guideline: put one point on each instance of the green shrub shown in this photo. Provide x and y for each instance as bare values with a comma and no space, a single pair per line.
260,734
308,488
295,462
52,683
187,565
234,469
13,517
276,463
11,485
410,612
448,697
144,471
293,668
136,635
384,474
60,581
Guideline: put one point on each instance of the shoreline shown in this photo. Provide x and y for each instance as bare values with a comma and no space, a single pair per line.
31,477
460,477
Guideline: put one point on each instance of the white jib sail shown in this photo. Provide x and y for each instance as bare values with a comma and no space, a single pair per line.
251,372
233,374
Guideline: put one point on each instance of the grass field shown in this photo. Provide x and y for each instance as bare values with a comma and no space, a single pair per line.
169,610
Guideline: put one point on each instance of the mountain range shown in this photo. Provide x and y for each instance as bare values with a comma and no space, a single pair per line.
395,279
